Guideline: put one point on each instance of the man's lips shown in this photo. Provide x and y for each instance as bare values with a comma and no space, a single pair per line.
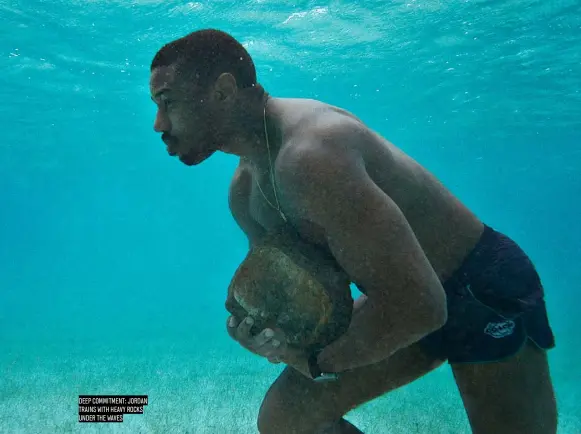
169,143
171,149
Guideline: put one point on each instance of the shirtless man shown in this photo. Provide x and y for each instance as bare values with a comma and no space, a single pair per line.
439,285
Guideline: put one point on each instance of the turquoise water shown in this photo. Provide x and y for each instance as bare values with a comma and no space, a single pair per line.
115,258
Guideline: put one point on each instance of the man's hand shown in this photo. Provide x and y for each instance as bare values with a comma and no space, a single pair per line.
268,343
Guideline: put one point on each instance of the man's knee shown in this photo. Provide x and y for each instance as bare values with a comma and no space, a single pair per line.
271,416
276,419
279,417
292,407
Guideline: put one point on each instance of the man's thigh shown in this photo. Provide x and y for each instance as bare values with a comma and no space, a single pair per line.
513,396
296,404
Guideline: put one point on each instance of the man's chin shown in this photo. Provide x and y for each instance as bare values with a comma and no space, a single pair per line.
194,160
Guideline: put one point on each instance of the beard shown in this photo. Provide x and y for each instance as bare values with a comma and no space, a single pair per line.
196,145
195,158
205,146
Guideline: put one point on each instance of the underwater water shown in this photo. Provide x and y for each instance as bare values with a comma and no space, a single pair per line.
115,258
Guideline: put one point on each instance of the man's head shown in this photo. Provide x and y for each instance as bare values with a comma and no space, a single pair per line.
199,83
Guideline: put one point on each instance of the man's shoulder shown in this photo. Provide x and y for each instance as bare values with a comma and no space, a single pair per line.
328,140
306,120
323,155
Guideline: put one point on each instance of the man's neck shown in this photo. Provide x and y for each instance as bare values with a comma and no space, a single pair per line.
253,143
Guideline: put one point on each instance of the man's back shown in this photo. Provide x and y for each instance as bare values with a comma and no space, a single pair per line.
444,227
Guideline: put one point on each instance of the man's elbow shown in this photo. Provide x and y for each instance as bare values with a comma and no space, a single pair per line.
439,318
433,311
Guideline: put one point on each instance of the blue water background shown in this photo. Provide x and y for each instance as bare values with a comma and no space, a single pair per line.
115,258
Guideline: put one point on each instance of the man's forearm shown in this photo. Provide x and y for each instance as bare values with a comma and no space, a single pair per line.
373,335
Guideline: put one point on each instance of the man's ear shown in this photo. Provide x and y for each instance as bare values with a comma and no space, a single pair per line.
225,87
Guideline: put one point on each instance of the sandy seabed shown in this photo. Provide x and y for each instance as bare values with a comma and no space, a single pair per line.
210,390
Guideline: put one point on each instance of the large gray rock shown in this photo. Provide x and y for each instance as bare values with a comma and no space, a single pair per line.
286,283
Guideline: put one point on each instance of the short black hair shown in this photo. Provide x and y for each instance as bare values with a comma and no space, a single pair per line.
206,54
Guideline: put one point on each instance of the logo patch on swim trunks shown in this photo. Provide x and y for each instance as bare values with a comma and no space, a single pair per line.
499,329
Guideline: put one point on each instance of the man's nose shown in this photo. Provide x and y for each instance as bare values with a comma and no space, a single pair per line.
162,123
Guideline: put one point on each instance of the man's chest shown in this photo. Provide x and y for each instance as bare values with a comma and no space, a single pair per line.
268,213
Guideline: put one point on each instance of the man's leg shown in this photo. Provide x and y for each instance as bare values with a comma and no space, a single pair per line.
295,404
514,396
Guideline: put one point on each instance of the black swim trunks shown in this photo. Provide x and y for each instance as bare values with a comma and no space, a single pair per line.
495,303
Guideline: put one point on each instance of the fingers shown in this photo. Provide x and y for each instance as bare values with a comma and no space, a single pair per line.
231,325
263,337
267,343
240,331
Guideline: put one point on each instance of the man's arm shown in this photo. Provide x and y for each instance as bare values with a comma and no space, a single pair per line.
238,200
326,181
